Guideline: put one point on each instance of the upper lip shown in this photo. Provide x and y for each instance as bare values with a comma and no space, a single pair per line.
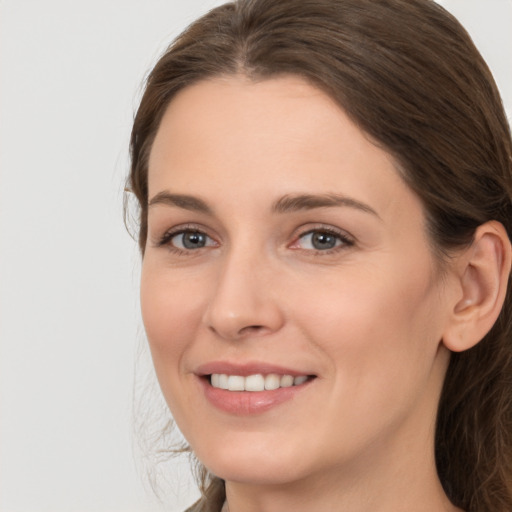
244,369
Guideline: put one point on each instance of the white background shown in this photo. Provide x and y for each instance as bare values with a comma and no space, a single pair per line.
69,322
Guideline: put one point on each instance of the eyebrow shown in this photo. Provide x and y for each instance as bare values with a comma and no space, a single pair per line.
286,204
181,201
292,203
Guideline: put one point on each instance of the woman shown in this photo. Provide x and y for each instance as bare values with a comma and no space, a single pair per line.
325,193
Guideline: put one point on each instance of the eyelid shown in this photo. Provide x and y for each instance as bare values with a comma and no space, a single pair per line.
346,239
169,234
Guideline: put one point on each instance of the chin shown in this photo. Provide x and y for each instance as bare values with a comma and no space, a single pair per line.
252,473
256,464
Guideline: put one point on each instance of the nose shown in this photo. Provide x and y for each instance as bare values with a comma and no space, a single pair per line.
244,302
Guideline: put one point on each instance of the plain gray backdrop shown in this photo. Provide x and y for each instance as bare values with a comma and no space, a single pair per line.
70,80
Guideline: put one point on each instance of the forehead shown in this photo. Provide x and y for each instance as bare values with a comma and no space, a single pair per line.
230,136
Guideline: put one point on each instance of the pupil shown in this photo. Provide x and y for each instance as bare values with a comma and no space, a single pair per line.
323,240
193,240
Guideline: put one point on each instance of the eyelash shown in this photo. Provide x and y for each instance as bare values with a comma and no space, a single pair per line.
344,238
165,240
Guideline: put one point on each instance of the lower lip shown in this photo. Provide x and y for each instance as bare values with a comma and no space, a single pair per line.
245,403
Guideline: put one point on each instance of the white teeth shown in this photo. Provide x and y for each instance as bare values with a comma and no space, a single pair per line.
286,381
256,382
253,383
236,383
223,381
272,381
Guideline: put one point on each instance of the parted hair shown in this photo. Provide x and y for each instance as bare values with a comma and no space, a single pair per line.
408,74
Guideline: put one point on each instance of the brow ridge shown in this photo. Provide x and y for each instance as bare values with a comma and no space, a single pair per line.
291,203
181,201
285,204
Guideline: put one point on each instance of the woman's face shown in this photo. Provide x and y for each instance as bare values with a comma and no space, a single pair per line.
284,247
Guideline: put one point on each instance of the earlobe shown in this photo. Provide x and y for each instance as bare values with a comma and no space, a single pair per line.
483,275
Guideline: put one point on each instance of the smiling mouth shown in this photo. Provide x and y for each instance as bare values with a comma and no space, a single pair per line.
256,382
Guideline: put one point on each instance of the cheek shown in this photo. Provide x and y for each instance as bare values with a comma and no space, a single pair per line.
171,312
380,330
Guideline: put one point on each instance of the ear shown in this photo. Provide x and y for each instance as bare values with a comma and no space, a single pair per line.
483,272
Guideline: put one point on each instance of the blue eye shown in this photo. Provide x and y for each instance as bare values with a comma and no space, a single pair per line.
189,240
322,240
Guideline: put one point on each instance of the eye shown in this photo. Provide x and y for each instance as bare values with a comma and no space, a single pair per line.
187,240
322,240
191,240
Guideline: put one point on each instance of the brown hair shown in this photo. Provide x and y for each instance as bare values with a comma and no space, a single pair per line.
407,74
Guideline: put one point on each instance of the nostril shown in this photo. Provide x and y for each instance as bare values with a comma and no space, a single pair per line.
251,329
236,334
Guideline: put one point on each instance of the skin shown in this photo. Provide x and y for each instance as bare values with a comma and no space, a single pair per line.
367,317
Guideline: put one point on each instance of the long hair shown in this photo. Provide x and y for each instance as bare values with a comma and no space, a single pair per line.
407,73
